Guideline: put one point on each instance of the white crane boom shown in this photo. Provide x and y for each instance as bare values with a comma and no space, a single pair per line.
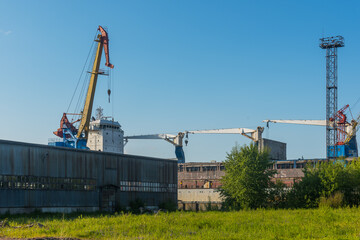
303,122
152,136
177,140
224,131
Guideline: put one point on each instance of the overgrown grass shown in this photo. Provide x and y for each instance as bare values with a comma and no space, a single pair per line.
323,223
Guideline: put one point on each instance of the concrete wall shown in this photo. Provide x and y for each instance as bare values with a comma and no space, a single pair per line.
277,149
60,179
199,195
199,206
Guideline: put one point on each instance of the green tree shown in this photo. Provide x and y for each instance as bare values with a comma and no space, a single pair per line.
247,177
325,182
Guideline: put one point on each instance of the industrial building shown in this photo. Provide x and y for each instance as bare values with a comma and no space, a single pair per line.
198,181
58,179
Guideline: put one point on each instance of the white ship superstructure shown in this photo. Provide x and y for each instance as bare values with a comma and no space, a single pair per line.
106,135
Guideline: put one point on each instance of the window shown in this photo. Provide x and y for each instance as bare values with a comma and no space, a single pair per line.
137,186
193,169
46,183
209,168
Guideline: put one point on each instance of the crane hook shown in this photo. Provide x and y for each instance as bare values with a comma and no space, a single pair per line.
109,92
186,136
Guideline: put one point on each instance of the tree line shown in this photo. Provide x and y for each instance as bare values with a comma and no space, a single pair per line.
248,183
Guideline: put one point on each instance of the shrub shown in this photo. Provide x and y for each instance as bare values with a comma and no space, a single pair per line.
333,201
136,205
333,183
168,205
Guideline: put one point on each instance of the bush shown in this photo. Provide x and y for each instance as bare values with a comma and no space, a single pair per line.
333,184
334,201
168,205
136,205
277,195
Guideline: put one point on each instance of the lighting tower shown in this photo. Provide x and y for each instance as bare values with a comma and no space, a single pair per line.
331,44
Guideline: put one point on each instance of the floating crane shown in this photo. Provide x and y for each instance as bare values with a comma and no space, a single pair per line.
77,138
346,145
177,140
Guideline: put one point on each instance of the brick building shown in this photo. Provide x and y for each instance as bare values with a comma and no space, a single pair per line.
198,181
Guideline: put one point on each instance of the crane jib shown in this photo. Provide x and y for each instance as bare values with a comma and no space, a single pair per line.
79,136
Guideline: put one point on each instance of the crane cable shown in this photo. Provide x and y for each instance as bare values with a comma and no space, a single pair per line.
85,85
82,72
351,113
112,93
357,101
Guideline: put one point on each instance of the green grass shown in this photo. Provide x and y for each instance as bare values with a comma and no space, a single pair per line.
257,224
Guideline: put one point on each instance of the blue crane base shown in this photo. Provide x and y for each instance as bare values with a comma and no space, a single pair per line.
348,150
180,155
70,143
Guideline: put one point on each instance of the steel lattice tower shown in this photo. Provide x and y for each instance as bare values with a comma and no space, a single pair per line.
331,44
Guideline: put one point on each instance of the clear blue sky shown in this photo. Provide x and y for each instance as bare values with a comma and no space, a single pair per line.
179,65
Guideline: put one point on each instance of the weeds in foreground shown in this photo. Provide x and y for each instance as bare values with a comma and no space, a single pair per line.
323,223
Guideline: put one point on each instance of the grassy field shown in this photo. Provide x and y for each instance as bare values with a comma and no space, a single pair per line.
256,224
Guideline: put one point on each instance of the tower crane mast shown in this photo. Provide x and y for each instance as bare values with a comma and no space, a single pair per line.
331,45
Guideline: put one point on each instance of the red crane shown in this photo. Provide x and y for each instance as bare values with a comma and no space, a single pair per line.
340,119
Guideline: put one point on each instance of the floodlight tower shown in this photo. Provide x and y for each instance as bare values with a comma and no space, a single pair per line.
331,44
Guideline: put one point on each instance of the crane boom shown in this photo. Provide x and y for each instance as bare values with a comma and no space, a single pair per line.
303,122
102,40
255,135
152,136
105,39
177,140
224,131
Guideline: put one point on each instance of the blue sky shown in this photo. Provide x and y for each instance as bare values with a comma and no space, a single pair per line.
179,65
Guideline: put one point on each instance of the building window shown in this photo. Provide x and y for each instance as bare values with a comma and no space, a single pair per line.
135,186
46,183
193,169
